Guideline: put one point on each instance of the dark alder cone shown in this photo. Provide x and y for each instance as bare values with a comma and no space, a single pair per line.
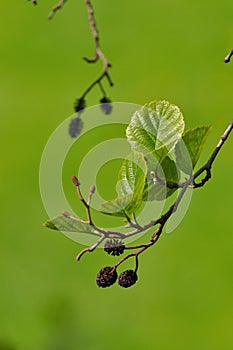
75,127
105,104
79,105
127,278
114,247
106,277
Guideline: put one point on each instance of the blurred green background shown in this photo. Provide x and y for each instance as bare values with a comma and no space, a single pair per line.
159,49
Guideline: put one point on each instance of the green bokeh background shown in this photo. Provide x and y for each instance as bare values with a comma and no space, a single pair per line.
170,49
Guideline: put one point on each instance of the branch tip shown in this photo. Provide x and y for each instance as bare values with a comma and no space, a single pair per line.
92,189
227,59
75,181
56,8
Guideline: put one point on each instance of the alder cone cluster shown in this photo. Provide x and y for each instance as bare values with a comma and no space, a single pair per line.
127,278
106,277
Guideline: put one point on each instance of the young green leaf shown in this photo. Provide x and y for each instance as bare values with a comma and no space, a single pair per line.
118,207
189,148
168,171
131,177
130,186
65,223
157,125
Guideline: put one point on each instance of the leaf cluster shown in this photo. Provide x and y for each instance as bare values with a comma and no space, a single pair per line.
161,153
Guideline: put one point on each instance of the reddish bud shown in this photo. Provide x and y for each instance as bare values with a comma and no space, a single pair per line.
75,180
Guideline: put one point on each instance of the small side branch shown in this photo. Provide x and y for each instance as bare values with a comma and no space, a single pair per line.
142,248
56,8
90,249
207,167
86,204
98,55
97,82
80,103
95,33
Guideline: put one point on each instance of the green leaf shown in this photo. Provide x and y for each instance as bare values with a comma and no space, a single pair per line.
65,223
130,186
49,223
157,125
189,148
166,172
118,206
154,191
132,175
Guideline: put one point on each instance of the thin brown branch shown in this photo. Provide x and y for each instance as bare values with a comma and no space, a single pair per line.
136,263
131,223
227,59
86,204
90,249
95,33
97,82
98,53
142,247
56,8
155,236
80,103
207,167
104,233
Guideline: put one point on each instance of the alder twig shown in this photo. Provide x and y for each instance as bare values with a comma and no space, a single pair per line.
142,247
90,249
164,218
190,182
98,54
86,204
207,167
80,103
155,236
95,33
56,8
